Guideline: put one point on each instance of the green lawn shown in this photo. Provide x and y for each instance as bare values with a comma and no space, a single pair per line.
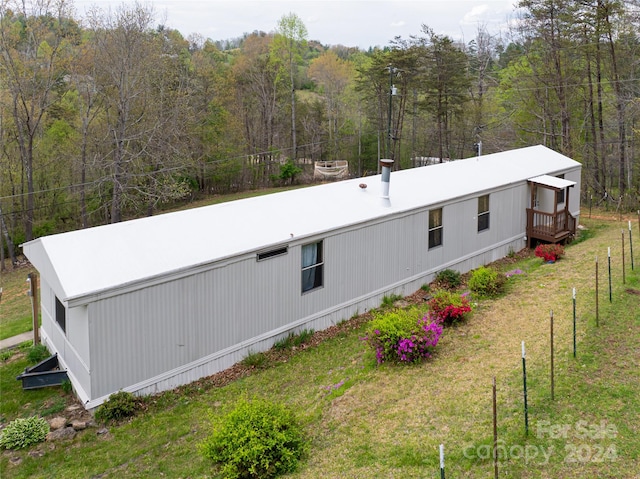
15,304
366,421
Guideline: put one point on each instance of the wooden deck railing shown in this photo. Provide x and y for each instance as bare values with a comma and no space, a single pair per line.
550,227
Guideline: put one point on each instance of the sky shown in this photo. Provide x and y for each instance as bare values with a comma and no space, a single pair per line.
352,23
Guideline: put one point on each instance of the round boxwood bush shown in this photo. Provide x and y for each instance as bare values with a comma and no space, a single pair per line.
486,281
119,406
24,432
449,278
257,439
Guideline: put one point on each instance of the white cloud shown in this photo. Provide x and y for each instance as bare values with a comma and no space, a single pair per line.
362,23
475,15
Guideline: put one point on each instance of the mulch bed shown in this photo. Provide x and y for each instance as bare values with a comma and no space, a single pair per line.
273,355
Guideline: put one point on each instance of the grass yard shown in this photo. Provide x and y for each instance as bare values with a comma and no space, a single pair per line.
15,305
366,421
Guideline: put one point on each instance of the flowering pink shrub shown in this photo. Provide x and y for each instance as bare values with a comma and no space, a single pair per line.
404,336
549,252
419,346
447,307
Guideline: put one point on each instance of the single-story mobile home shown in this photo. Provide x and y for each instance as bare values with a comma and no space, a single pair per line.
150,304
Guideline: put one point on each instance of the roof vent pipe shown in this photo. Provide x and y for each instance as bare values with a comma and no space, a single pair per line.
386,175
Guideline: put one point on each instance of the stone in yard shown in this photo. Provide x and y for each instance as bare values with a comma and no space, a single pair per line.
57,422
59,434
79,425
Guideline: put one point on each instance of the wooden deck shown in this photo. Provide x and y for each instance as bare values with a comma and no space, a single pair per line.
549,227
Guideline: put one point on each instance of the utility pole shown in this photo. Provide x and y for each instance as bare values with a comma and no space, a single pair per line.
392,92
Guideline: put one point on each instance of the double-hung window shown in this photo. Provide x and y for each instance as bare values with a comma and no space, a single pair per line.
560,194
61,315
483,213
312,266
435,228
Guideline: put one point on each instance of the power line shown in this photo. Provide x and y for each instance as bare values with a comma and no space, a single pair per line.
208,166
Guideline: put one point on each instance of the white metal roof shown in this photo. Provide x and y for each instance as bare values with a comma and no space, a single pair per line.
552,181
95,260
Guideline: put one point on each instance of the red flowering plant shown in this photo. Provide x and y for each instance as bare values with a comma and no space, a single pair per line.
448,307
549,252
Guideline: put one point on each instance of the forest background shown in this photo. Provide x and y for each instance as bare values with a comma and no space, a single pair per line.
115,116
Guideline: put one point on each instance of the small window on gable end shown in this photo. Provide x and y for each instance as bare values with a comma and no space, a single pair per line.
560,194
61,315
483,213
312,266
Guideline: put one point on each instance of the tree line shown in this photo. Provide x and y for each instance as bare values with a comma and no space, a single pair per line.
115,116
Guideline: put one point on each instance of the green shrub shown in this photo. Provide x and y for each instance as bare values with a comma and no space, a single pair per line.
449,278
448,307
257,439
486,281
402,335
38,353
288,171
24,432
119,406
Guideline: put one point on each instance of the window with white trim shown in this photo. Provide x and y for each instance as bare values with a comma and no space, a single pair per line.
312,266
483,213
435,228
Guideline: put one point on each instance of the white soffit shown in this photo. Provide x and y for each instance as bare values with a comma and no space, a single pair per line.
552,182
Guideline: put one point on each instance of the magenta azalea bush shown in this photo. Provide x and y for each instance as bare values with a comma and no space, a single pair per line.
448,307
404,336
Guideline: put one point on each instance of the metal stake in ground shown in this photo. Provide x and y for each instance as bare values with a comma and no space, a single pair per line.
574,322
552,383
495,431
441,461
624,280
597,306
524,382
631,245
609,257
